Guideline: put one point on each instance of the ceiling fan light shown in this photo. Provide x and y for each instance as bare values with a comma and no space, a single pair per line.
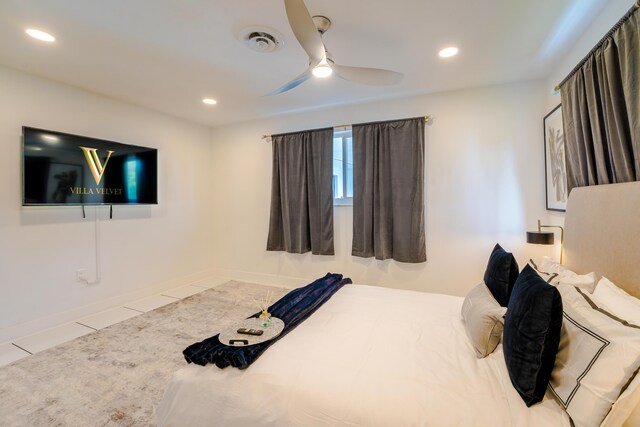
322,71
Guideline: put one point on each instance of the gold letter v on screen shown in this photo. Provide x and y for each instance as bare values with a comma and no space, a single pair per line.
97,168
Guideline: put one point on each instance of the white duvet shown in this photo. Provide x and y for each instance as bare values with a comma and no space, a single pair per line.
368,357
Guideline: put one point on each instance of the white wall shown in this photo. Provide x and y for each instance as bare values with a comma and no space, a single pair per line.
484,183
144,249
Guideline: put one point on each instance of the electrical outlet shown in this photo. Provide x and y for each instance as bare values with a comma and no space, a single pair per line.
81,275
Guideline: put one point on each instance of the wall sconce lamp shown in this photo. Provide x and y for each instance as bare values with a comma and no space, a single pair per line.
546,237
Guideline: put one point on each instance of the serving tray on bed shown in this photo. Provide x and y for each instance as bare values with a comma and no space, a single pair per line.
270,332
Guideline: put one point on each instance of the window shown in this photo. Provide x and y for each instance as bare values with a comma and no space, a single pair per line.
342,168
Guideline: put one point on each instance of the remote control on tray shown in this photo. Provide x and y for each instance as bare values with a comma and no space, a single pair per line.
245,331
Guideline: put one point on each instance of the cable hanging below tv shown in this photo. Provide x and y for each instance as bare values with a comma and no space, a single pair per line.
60,169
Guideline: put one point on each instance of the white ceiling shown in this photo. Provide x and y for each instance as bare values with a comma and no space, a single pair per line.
169,54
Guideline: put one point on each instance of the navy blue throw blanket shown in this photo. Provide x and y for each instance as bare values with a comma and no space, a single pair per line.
293,309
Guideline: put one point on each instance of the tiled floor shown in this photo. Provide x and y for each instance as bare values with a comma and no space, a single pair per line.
210,283
10,353
150,303
108,317
52,337
22,347
183,292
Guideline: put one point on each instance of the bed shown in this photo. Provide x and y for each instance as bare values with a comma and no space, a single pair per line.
375,356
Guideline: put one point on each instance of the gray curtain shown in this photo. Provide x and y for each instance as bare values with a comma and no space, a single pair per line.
388,190
301,218
600,110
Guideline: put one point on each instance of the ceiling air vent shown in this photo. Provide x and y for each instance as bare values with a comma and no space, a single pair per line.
262,40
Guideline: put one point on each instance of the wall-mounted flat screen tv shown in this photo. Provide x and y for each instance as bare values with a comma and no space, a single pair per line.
59,169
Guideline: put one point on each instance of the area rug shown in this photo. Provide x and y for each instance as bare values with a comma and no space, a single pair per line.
116,376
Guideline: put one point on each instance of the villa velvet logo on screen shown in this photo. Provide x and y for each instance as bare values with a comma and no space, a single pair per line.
96,166
97,169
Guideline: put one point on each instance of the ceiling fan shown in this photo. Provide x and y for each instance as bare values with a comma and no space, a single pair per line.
308,32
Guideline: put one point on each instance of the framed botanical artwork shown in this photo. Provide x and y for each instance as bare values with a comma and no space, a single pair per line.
554,161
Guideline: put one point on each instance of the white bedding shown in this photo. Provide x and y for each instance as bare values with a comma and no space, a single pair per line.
370,356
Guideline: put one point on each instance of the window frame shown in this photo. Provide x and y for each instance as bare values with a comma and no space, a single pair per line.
344,134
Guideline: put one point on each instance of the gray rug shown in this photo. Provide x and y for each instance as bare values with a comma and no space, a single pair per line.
116,376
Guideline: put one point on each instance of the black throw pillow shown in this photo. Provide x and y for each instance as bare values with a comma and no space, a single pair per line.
501,274
532,334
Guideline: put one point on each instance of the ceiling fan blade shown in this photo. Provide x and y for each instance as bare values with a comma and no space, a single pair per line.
367,76
293,83
304,29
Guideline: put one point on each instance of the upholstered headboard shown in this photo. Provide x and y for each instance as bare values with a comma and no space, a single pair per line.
602,233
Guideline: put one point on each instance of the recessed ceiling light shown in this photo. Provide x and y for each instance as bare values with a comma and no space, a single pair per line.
40,35
210,101
448,52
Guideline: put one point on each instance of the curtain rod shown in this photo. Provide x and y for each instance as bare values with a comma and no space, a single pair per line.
613,29
268,136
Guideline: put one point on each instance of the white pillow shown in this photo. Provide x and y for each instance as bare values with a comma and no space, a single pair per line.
483,320
548,264
626,410
617,301
546,276
555,273
597,357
